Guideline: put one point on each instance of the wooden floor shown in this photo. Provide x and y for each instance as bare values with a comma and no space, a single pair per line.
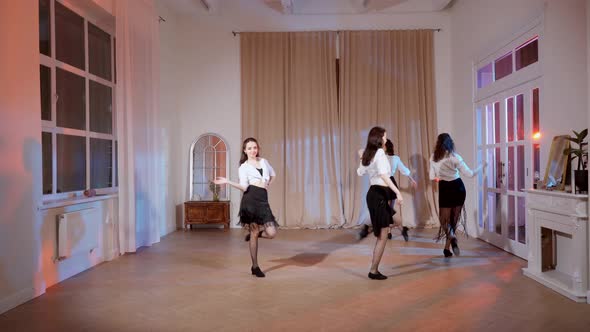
316,281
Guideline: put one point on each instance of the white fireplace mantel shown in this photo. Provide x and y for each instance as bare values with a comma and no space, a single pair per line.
565,216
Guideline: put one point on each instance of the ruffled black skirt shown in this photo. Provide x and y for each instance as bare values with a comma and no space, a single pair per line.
254,208
381,212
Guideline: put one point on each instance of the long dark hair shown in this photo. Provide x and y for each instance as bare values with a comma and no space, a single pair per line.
389,150
444,145
244,157
374,142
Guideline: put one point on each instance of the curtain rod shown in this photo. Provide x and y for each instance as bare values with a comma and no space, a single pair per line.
235,33
161,19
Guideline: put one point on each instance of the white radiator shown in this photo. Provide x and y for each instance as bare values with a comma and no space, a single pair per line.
77,232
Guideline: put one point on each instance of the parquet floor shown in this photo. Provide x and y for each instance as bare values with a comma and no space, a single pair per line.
316,281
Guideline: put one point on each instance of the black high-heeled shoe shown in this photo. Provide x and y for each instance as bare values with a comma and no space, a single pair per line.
405,233
389,236
455,247
447,253
377,276
257,272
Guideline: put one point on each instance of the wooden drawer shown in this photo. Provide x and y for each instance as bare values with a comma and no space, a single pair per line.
206,212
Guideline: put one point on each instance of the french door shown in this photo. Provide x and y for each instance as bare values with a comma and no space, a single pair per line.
506,124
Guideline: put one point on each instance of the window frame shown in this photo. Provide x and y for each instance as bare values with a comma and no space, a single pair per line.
191,164
51,126
533,71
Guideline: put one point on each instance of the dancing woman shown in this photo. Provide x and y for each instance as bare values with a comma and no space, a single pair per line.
255,175
374,163
445,167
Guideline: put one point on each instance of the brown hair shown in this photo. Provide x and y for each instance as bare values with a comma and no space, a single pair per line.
444,145
374,142
244,157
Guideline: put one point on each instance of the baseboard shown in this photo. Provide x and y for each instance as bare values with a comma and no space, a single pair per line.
16,299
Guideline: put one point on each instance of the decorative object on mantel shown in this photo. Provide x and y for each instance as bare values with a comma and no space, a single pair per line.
89,192
556,172
581,153
215,191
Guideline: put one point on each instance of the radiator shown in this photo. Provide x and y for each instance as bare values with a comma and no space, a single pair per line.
77,232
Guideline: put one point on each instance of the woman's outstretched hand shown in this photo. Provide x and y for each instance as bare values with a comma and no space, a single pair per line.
220,180
413,183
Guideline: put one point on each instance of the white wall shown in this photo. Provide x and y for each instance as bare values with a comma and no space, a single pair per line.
478,26
27,234
169,108
20,148
207,70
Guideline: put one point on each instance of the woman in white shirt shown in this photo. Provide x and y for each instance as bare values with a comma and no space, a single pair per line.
255,175
445,167
375,164
397,164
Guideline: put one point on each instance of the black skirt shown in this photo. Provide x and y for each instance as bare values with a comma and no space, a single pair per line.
254,208
381,212
451,193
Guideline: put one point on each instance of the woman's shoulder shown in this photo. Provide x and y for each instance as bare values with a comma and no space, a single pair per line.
379,153
456,156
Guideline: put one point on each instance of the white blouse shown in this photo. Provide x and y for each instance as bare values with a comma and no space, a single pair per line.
396,163
378,166
449,167
249,174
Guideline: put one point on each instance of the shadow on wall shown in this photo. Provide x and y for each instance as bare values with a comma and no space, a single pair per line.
422,209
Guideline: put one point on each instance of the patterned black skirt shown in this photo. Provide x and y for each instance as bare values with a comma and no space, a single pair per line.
381,212
254,208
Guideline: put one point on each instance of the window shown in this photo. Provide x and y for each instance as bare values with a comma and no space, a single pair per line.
209,156
503,66
520,57
77,98
527,54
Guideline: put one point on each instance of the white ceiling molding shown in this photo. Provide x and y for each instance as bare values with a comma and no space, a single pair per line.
345,7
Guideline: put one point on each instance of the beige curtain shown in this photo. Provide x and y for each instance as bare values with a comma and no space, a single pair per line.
263,59
289,85
387,79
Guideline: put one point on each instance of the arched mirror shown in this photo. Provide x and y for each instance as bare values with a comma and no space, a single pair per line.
209,157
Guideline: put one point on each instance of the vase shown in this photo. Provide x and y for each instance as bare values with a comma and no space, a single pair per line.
581,180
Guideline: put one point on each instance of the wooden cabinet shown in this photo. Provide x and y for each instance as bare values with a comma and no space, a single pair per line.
206,212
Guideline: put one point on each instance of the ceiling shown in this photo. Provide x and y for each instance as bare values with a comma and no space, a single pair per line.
313,7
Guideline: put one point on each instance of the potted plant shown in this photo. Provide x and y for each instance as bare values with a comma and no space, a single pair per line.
579,151
214,190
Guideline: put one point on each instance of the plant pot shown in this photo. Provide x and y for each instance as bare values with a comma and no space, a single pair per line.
581,180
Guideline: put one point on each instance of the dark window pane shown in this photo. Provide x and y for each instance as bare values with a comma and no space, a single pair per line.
115,58
71,163
44,28
116,164
527,54
535,111
101,115
510,118
484,76
520,117
71,101
99,52
46,146
45,93
69,36
503,66
101,163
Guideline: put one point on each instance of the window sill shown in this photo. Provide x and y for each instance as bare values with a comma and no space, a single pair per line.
51,204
